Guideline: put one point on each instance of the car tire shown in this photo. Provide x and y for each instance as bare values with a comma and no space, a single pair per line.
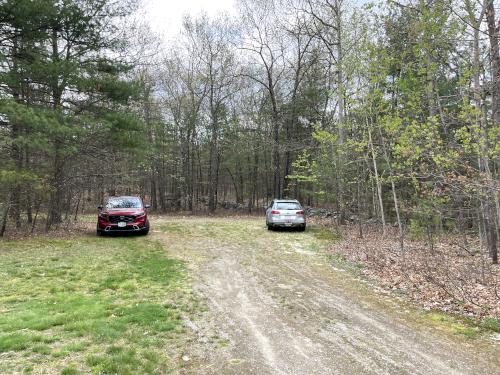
99,232
145,231
269,226
302,229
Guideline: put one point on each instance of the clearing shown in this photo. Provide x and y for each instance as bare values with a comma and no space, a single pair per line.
277,304
214,296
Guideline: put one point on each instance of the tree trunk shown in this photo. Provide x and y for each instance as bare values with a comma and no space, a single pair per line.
394,197
377,180
494,36
56,196
490,197
5,217
212,174
37,210
276,159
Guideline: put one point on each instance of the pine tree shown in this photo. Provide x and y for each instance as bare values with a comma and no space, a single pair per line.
60,68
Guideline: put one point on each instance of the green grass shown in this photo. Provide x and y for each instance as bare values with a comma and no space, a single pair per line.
106,305
466,327
70,371
491,324
324,234
340,261
174,228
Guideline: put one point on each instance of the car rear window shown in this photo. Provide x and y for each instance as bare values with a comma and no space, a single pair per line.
288,206
124,203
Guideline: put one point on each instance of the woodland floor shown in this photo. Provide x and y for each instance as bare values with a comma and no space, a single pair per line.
216,296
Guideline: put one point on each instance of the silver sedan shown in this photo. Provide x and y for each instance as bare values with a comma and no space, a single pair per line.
285,213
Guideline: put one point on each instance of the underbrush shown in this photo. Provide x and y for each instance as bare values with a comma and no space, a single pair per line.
104,305
450,276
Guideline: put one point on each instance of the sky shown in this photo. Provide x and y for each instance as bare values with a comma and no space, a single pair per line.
165,16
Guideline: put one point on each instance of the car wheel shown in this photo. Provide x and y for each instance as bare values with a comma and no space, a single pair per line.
301,229
145,231
99,232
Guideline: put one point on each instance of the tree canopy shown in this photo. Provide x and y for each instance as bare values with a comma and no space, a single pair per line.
385,112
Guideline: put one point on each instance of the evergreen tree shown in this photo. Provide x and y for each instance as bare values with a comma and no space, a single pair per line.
63,90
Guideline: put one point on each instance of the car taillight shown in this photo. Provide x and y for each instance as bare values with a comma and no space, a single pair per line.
274,212
300,213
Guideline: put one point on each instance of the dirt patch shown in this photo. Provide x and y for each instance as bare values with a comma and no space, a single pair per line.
275,305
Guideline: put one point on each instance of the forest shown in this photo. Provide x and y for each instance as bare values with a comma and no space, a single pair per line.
386,113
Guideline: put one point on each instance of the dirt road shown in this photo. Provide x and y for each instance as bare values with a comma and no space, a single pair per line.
277,304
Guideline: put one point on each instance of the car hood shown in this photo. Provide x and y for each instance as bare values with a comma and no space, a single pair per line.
124,211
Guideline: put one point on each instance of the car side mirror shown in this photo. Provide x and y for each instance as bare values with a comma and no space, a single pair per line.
99,207
147,206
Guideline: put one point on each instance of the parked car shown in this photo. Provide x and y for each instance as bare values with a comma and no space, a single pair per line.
285,213
122,215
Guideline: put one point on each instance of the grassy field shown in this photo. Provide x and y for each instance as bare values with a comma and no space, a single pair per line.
119,305
91,305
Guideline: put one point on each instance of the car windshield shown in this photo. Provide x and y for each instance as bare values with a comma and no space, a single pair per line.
124,203
287,206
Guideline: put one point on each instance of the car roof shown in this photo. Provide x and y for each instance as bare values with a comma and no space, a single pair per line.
124,196
286,200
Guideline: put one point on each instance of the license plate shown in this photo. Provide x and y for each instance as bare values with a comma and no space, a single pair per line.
122,224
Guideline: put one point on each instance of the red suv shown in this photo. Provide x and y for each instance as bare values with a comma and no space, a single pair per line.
123,214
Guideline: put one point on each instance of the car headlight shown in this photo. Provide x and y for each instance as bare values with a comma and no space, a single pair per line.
103,216
140,214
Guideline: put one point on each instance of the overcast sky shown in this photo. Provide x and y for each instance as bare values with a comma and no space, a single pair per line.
165,16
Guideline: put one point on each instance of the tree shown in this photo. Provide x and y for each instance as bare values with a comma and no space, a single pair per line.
264,43
59,68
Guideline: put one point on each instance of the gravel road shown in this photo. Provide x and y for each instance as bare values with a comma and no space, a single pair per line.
276,303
